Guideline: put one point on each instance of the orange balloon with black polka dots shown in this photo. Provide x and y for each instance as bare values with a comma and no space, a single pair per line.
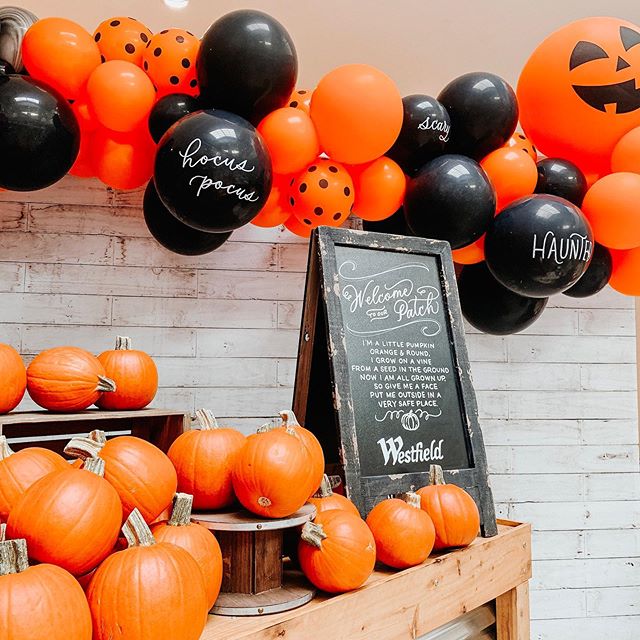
122,39
301,99
520,141
170,61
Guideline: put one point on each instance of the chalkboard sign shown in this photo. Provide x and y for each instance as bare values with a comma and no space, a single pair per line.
383,374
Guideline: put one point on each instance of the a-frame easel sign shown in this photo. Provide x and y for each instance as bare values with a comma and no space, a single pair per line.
383,374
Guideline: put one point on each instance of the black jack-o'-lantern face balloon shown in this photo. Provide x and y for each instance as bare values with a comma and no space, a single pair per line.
578,92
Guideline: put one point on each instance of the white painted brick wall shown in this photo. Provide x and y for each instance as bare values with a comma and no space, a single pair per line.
557,403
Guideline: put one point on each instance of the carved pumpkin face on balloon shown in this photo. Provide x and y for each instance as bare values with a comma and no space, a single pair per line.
578,91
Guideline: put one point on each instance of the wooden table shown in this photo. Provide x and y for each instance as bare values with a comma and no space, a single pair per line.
405,605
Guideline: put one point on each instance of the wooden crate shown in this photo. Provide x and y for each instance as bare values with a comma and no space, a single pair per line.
405,605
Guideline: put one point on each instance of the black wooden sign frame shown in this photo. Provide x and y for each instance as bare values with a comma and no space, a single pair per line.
322,396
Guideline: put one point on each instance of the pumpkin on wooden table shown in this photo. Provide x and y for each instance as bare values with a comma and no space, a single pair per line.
195,539
149,591
135,374
43,601
325,499
404,537
13,376
453,511
204,459
67,379
18,471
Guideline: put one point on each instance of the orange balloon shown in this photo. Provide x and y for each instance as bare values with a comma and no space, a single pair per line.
625,277
123,160
122,39
276,209
291,139
471,254
120,95
611,205
358,113
83,113
170,61
298,228
512,173
520,141
379,189
577,92
301,99
61,53
83,166
626,153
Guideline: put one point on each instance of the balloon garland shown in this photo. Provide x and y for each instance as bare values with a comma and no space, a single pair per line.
222,137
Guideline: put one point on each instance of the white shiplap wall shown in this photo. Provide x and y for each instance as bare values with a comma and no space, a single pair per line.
557,403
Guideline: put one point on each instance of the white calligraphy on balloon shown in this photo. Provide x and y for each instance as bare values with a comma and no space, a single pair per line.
195,145
575,247
434,124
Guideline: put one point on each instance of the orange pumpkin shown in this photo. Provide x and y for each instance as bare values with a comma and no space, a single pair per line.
39,602
337,551
67,379
13,376
149,591
203,459
404,537
274,472
453,511
18,471
69,518
135,375
195,539
325,500
141,473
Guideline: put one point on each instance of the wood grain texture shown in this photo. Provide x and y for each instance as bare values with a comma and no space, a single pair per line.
512,614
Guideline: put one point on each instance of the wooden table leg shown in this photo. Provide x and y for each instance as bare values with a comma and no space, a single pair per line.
512,614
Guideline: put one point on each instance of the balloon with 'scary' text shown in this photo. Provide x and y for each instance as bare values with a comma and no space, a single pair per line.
213,171
539,245
596,277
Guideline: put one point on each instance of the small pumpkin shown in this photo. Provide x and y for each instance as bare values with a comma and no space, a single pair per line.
325,500
195,539
404,537
203,459
273,472
410,421
13,376
141,473
337,551
135,374
150,590
453,511
43,601
69,518
67,379
18,471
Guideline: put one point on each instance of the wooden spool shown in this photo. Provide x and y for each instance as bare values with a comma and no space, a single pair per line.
254,580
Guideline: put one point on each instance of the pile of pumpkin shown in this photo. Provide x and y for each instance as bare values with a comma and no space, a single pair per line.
161,578
68,379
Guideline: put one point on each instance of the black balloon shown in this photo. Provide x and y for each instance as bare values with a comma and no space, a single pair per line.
213,171
247,64
395,224
595,277
6,68
539,245
173,234
450,199
168,110
424,135
483,111
492,308
39,134
561,178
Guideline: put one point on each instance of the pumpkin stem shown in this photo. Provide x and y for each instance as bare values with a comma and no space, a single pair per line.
13,557
123,343
412,499
94,465
3,532
325,490
105,384
84,448
206,420
5,449
313,534
137,531
436,475
289,418
263,501
181,512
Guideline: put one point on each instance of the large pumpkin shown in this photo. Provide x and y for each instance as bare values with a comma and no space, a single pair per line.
39,602
325,500
204,459
135,375
67,379
454,513
13,376
69,518
404,537
148,591
142,475
337,551
18,471
194,538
